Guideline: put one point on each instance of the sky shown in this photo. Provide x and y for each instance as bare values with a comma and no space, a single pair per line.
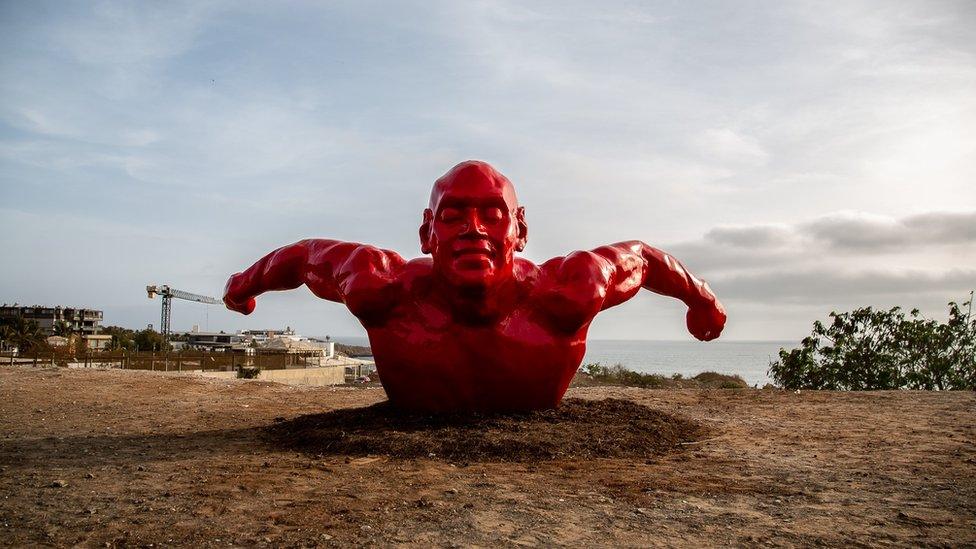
801,157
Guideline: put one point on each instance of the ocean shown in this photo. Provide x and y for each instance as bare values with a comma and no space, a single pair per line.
749,359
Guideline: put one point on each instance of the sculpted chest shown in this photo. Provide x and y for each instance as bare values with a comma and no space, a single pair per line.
514,362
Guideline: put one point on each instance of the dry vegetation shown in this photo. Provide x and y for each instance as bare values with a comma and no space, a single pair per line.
597,374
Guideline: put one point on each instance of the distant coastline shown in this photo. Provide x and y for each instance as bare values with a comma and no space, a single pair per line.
748,359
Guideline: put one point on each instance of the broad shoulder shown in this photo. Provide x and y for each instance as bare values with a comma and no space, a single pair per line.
418,266
525,270
355,260
575,285
572,288
415,271
578,266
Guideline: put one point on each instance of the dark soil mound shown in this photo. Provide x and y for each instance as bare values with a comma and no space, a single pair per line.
577,429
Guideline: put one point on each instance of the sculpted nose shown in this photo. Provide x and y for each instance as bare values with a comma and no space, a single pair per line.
472,224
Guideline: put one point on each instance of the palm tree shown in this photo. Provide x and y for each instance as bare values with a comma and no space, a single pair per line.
23,334
63,329
6,337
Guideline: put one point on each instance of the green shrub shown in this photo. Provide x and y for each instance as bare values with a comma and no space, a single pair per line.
248,373
867,349
722,381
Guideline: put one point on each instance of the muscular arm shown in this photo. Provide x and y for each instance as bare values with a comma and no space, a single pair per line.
636,264
610,275
350,273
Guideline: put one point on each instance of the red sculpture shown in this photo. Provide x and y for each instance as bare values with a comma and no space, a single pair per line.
474,327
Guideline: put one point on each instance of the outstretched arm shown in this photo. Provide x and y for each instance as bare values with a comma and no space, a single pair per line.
637,265
589,282
354,274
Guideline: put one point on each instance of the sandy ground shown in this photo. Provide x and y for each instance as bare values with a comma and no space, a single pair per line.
109,458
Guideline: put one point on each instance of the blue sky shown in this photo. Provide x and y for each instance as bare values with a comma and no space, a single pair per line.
801,158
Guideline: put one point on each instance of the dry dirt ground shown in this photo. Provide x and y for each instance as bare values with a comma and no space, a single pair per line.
111,458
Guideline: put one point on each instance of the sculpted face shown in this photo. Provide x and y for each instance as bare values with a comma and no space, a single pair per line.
473,226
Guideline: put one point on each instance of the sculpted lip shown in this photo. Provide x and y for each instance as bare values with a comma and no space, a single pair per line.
473,250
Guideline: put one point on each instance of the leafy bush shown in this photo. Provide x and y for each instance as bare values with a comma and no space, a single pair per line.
150,340
722,381
248,373
867,349
122,338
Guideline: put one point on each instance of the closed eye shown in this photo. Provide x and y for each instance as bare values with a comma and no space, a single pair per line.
450,215
492,214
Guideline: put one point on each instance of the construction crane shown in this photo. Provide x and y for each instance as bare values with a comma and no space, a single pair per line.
168,294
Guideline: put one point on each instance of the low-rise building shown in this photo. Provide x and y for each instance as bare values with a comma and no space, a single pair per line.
260,336
79,321
289,345
214,341
97,342
58,341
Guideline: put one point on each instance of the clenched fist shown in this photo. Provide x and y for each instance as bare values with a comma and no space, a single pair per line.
705,321
235,298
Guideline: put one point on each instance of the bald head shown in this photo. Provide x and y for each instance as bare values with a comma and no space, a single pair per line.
473,225
473,178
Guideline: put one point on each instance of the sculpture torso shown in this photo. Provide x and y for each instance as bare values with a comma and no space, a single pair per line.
474,327
432,356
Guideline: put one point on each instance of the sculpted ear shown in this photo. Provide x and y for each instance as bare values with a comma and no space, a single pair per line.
426,244
522,228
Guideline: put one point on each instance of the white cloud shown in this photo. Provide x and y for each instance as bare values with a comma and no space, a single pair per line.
755,236
114,33
770,131
860,231
839,257
834,286
729,146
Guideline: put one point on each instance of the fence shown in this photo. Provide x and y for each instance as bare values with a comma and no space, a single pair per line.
167,362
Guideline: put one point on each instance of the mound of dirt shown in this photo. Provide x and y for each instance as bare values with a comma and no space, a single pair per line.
577,429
